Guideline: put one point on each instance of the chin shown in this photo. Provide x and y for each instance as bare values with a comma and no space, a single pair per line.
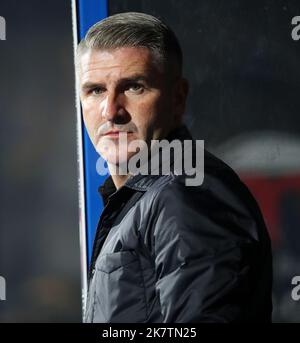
118,164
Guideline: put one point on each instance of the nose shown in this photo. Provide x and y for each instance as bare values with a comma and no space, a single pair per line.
113,110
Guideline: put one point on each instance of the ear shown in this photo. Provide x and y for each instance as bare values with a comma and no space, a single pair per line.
180,94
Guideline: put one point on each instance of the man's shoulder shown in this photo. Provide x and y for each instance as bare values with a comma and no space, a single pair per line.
222,197
217,176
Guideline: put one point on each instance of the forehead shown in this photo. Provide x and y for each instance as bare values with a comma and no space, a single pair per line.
117,63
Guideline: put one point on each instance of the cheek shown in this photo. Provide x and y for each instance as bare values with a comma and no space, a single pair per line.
87,118
90,117
149,110
144,119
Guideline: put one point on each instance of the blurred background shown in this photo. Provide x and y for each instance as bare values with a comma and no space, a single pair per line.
244,72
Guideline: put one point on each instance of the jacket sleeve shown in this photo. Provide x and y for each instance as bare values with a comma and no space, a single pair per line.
205,247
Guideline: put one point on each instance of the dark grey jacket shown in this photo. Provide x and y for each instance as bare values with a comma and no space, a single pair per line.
165,252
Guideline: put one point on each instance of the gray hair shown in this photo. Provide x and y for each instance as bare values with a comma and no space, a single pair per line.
133,29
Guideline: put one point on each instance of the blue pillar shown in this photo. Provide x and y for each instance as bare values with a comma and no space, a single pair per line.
85,14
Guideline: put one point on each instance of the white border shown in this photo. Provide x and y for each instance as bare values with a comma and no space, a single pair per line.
81,188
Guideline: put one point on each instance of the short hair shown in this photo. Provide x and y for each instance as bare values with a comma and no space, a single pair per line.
134,29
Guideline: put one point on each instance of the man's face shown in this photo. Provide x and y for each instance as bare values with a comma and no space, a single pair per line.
125,90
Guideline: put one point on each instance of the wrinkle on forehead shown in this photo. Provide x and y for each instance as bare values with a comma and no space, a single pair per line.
122,60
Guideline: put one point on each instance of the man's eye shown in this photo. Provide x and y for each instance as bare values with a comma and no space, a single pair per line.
135,88
96,91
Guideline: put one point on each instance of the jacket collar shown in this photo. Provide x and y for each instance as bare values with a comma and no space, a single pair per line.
141,182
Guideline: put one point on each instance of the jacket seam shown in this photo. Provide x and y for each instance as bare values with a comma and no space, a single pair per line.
144,287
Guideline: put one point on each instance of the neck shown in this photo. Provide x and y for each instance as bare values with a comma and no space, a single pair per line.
118,180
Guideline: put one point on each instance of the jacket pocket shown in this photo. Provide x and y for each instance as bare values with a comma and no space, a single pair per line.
119,288
108,263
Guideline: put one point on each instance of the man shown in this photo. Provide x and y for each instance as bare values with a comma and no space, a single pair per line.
164,251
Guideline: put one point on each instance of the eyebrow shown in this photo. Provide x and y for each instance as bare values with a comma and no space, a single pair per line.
134,78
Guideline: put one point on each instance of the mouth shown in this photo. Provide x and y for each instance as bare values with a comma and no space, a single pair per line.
116,133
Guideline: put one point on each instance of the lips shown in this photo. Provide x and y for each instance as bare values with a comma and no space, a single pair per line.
112,133
116,133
